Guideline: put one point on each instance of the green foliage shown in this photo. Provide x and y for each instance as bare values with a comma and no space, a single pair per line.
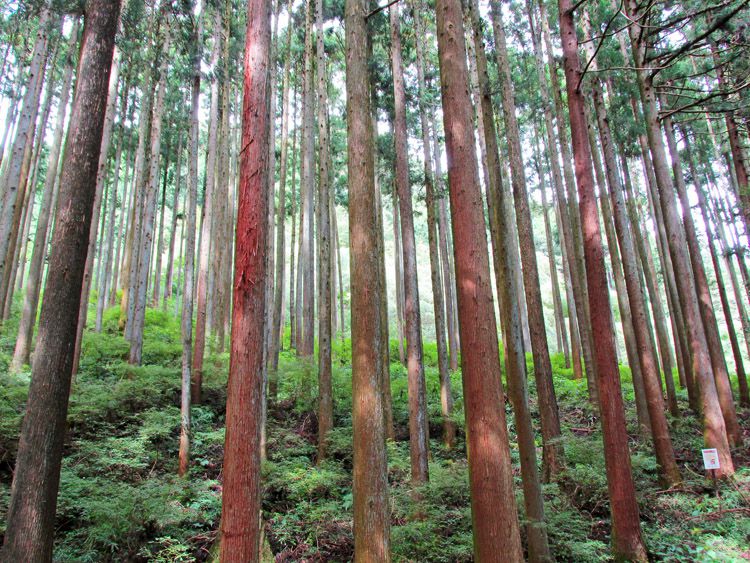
120,498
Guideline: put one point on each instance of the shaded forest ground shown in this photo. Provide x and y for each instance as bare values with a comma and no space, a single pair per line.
120,498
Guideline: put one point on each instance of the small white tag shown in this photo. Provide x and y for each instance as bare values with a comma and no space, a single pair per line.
710,458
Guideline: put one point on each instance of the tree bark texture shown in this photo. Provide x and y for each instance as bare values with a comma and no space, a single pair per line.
494,515
31,513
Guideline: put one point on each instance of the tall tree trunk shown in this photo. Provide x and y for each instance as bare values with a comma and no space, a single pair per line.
451,323
101,178
130,262
398,261
325,385
241,500
623,299
204,253
33,284
17,210
712,212
19,262
293,241
438,301
190,219
270,213
307,260
509,288
276,325
31,513
626,530
370,480
575,334
106,251
11,114
550,421
491,484
418,424
384,365
122,229
735,146
159,244
569,219
682,348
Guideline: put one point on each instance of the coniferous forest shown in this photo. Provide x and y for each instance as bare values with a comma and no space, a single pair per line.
341,280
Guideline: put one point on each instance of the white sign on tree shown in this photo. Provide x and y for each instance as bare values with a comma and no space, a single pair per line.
710,458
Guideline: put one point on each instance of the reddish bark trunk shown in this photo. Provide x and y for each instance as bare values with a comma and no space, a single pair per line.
494,516
626,531
241,498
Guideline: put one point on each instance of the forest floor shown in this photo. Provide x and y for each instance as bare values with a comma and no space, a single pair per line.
120,498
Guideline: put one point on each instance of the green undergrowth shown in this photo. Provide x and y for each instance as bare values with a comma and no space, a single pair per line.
120,498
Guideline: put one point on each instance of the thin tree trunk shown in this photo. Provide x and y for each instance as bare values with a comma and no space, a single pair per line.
24,185
276,325
129,270
101,178
575,338
438,301
419,438
569,219
339,271
173,227
737,290
384,365
646,355
190,219
649,276
562,332
104,275
159,246
623,298
307,260
726,308
122,229
325,385
12,184
682,348
445,258
293,242
19,265
553,457
398,254
204,253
